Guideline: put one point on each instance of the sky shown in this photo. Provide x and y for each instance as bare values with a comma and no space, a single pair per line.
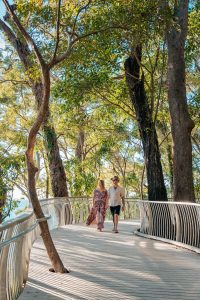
2,13
2,9
17,193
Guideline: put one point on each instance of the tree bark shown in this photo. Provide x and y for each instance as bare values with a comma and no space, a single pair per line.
3,192
57,172
80,156
181,123
163,128
2,203
32,170
155,179
56,168
79,146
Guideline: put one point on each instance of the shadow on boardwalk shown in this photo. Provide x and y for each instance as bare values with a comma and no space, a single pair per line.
113,266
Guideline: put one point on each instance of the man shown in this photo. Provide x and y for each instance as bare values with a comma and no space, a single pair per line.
116,201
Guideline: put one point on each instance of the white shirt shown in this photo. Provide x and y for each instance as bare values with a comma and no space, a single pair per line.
115,195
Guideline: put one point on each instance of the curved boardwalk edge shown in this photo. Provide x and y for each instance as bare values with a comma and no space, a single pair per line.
175,243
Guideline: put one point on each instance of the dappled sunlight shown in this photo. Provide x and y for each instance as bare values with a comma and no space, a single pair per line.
143,244
48,291
110,266
128,243
164,247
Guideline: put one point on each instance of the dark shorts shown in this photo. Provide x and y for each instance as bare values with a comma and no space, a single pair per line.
115,210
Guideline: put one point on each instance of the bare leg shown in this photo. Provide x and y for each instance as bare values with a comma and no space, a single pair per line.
113,224
99,220
116,220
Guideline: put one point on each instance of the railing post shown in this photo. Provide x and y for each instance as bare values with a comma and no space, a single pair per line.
4,265
178,225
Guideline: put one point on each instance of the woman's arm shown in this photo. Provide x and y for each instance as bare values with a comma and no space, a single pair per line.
107,198
93,198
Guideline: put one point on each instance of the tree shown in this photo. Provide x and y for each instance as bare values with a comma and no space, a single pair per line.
57,172
181,122
3,194
156,185
42,114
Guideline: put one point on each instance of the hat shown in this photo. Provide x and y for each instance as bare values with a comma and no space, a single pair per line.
115,178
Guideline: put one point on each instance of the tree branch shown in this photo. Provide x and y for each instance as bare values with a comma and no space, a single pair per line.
14,81
97,32
57,32
25,34
78,13
21,48
164,138
115,104
63,56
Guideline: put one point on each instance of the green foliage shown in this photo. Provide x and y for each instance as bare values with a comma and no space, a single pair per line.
89,93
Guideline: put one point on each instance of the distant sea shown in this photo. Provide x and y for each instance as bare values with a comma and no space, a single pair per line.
22,205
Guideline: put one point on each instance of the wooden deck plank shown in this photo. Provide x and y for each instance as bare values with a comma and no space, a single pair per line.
105,265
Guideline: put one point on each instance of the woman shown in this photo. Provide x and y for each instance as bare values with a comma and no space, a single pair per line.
100,204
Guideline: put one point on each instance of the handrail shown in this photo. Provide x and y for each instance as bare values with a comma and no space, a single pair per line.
16,239
22,233
21,218
171,202
177,222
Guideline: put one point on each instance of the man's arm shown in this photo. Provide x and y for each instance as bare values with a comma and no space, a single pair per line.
123,203
107,198
123,199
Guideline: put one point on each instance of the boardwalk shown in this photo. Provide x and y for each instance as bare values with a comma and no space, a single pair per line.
113,266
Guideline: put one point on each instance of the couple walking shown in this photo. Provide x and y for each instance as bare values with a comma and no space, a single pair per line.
102,198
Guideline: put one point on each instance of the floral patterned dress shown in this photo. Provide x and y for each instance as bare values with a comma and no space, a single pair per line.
98,210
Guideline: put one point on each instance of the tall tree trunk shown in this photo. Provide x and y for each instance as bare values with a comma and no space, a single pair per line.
79,146
47,177
3,192
181,123
156,185
170,162
2,201
163,128
57,171
79,155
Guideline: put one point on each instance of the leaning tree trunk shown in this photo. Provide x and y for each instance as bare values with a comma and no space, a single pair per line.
79,155
32,170
42,114
181,123
2,201
156,185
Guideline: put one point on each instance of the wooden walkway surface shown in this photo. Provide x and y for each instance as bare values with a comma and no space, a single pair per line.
106,266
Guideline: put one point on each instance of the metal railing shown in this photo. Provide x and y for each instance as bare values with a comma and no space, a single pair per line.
16,239
18,235
174,221
178,222
80,208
